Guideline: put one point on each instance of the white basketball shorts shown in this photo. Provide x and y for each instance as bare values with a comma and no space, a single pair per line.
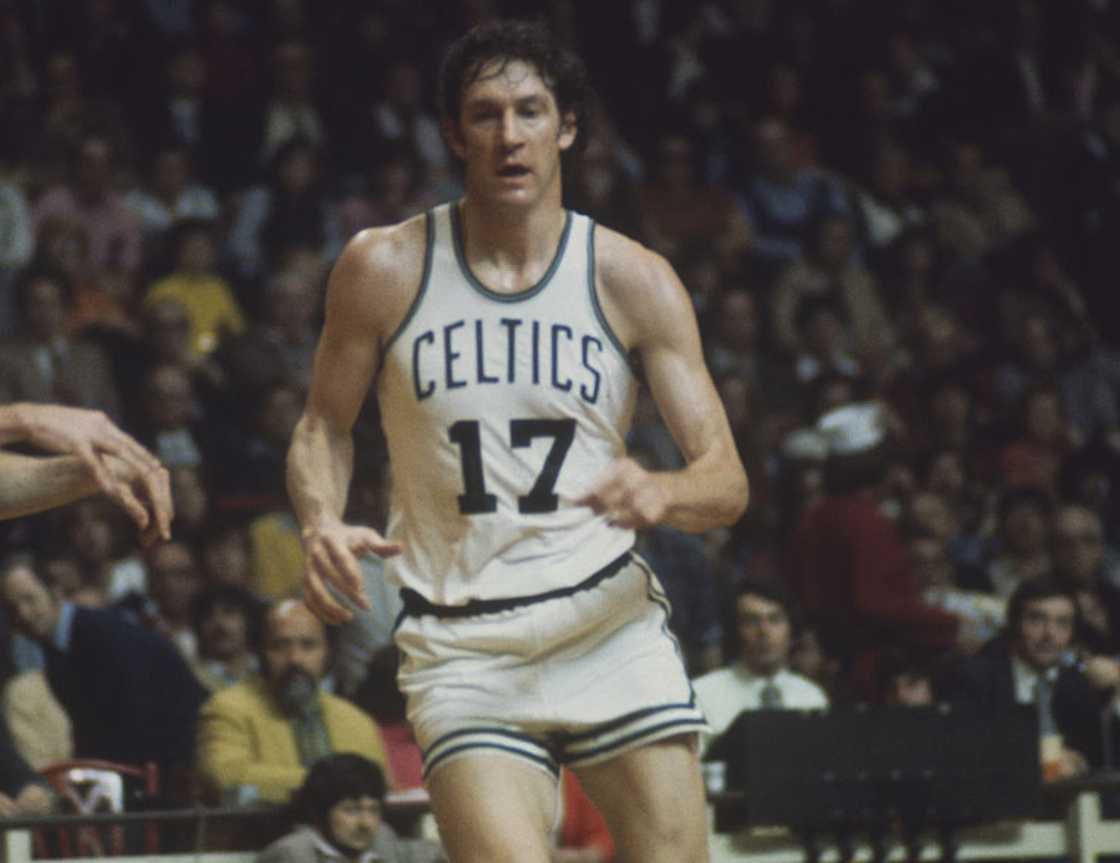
573,677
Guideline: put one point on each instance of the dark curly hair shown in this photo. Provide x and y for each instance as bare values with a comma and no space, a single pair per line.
506,41
334,778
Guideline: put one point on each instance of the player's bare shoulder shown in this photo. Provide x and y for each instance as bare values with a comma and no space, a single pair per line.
638,288
377,276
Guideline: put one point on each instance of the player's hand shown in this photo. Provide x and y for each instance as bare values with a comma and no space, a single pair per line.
628,495
331,561
144,492
92,437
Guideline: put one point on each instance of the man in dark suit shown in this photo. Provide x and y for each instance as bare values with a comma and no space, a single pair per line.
1032,663
130,695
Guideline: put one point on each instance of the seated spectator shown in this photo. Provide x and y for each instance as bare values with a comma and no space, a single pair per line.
1024,540
89,198
174,580
96,531
280,345
129,694
39,727
22,791
765,625
849,560
831,270
339,808
1030,664
43,363
1079,563
212,308
171,193
224,554
903,680
678,209
276,554
257,738
226,620
783,199
1034,458
291,209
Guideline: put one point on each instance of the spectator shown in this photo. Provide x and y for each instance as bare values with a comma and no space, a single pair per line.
212,309
128,692
339,810
784,199
830,270
850,564
89,198
1031,664
171,194
1077,538
95,531
903,681
1024,541
44,364
279,345
257,738
23,792
224,553
678,209
765,625
226,621
292,112
173,582
290,210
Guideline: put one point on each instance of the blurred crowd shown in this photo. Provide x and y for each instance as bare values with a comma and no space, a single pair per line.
911,203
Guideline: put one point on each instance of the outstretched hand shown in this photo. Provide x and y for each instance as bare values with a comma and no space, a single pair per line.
136,480
332,577
628,495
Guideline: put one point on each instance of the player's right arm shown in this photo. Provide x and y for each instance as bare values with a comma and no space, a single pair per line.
369,291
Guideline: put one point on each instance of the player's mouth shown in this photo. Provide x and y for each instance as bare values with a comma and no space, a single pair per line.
513,172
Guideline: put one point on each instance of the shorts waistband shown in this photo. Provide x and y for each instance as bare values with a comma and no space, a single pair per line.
416,605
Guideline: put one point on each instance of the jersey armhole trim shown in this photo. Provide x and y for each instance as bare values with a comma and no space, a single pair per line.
594,292
429,246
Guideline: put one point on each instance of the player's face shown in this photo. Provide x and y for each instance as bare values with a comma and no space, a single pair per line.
510,134
764,634
1046,631
354,822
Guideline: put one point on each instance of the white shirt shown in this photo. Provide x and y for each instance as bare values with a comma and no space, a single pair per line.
725,693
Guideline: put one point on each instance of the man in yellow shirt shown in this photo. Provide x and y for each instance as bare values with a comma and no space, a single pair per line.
257,738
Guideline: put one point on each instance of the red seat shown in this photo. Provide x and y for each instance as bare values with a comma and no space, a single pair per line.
91,786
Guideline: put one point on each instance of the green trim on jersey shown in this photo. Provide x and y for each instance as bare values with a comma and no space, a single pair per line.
429,249
472,280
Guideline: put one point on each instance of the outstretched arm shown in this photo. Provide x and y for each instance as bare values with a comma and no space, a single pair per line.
321,457
650,308
95,455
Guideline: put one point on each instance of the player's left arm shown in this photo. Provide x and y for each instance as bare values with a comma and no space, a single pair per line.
651,312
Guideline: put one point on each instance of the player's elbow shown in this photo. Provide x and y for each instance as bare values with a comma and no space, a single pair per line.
738,497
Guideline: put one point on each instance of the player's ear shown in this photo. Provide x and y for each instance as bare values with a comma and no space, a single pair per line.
454,138
569,128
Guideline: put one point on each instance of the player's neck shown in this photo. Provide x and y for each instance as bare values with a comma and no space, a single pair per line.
511,239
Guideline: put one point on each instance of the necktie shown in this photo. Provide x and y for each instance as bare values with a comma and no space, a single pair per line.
1043,700
771,696
312,739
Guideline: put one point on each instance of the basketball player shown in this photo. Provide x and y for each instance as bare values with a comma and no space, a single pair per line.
91,455
498,332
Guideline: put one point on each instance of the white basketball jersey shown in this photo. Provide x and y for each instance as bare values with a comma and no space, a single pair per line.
501,410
